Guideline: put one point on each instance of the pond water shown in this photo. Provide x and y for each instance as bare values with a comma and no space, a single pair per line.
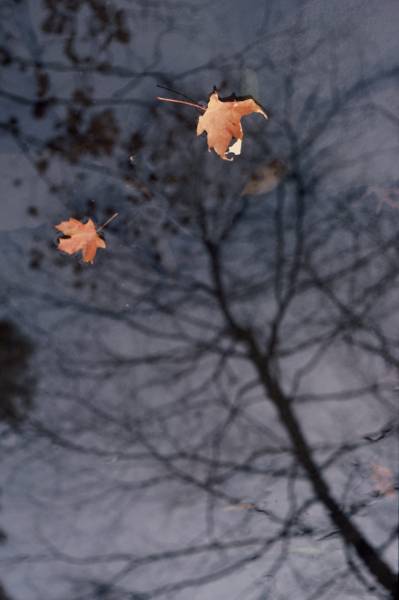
205,406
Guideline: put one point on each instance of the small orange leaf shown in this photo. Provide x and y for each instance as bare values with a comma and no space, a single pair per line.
222,122
82,236
383,479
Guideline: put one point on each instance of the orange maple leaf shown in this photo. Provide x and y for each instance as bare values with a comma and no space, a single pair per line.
82,236
222,122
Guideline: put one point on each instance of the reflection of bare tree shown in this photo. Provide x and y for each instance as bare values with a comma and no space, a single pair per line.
16,382
3,594
16,389
222,347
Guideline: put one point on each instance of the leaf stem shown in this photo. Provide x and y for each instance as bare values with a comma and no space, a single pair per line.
107,222
182,102
163,87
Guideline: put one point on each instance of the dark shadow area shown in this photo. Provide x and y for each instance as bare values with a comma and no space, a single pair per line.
16,381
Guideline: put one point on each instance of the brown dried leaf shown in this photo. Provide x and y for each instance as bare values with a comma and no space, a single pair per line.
265,178
222,122
82,236
240,506
383,480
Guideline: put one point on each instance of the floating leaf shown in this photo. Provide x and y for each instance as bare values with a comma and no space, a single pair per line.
222,122
81,236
